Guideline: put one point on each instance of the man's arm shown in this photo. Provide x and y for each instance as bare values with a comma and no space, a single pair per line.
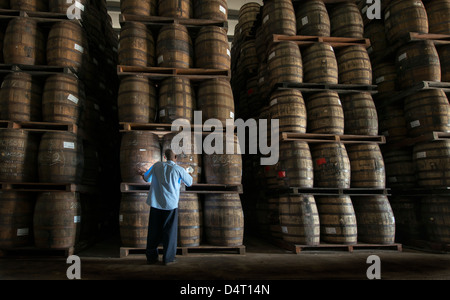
186,177
147,176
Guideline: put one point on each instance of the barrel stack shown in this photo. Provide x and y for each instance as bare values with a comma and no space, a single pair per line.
307,65
168,70
410,67
54,156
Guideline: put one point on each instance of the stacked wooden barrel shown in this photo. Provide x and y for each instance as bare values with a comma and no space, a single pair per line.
272,62
50,81
146,98
412,106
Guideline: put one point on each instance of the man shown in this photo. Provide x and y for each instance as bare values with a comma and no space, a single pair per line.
163,197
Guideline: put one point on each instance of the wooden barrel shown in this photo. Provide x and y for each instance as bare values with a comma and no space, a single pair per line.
20,97
57,220
346,21
24,42
18,156
188,158
67,45
427,111
331,165
417,62
444,59
289,108
299,219
211,10
91,169
432,163
337,220
319,64
374,31
392,123
435,212
62,99
278,17
263,81
60,158
248,59
402,17
325,113
182,9
212,50
139,7
399,168
176,100
375,219
247,16
137,100
295,165
385,77
4,3
136,45
284,64
354,65
29,5
190,215
223,220
16,219
215,99
408,226
174,48
139,150
312,18
360,114
223,168
134,215
437,13
367,166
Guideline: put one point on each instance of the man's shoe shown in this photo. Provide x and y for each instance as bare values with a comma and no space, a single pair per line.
167,263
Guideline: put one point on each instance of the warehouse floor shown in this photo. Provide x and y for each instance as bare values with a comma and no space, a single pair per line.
261,261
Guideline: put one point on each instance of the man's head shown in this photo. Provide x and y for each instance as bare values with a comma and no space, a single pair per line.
170,155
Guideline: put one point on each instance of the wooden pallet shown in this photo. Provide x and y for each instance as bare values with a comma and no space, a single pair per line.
410,142
158,21
331,138
421,191
332,191
335,42
46,187
349,248
320,87
39,16
428,246
395,98
39,126
159,73
203,249
196,188
36,70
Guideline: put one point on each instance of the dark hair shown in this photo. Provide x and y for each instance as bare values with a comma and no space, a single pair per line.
170,155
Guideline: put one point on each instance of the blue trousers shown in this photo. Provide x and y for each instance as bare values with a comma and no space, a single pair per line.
163,227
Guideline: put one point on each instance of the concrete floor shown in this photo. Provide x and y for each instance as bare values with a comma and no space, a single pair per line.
262,261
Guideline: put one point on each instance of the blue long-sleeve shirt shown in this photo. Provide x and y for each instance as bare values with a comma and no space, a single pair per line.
165,179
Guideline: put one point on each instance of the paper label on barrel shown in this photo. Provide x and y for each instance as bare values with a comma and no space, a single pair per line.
120,218
79,48
162,112
72,98
142,150
77,219
284,229
229,52
261,80
160,59
22,231
305,20
223,9
231,114
364,9
385,133
266,19
418,3
415,123
272,55
402,56
330,230
273,102
379,79
387,15
199,170
79,5
421,154
281,174
69,145
369,50
392,179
